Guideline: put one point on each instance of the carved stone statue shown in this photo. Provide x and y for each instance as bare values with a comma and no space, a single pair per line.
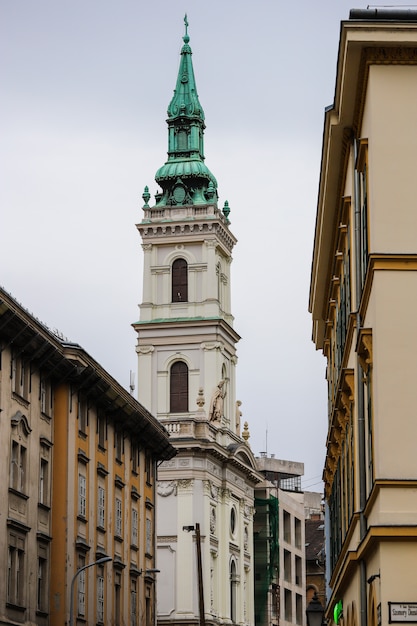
216,404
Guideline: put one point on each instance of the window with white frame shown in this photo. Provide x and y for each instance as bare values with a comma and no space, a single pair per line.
16,570
44,482
82,495
81,589
41,600
118,520
101,507
100,595
82,414
45,396
135,523
148,536
20,377
18,466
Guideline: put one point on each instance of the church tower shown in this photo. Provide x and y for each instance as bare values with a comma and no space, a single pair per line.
186,377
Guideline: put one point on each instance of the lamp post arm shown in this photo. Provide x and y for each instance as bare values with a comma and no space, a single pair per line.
105,559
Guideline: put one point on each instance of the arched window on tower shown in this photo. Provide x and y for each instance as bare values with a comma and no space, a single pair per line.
233,590
180,281
178,390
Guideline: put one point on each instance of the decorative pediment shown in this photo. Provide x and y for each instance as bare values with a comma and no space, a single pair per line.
19,419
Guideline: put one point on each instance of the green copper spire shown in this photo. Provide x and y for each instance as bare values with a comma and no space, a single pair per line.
185,99
184,178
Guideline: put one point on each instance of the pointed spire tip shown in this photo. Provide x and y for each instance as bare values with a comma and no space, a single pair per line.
186,37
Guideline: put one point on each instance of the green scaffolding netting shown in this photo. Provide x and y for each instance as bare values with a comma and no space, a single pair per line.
266,553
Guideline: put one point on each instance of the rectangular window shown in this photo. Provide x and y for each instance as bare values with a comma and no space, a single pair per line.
118,444
287,527
102,431
148,536
45,394
135,457
298,609
100,596
15,570
44,482
41,585
135,519
288,605
117,598
18,467
298,571
148,467
362,168
101,514
82,495
118,522
287,566
133,603
82,415
20,377
81,589
297,529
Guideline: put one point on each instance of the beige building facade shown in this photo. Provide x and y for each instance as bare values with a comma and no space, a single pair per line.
363,299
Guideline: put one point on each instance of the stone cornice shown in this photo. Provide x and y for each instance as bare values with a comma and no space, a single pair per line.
384,262
379,55
151,230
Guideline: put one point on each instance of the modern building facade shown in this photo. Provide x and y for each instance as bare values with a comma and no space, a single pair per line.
186,377
79,461
279,539
363,299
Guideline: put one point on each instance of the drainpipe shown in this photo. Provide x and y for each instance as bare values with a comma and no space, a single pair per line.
360,399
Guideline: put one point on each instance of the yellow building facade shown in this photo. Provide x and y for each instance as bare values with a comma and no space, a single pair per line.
363,300
80,453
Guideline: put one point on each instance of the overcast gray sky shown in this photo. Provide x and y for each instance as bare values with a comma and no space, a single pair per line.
85,85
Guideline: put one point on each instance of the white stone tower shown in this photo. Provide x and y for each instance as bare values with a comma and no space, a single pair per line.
186,378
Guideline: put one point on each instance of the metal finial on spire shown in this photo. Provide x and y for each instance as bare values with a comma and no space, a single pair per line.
186,38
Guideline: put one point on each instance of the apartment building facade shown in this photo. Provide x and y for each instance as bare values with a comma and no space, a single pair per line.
363,301
279,542
79,459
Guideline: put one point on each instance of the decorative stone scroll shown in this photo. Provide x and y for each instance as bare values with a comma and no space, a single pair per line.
166,488
365,349
341,416
145,349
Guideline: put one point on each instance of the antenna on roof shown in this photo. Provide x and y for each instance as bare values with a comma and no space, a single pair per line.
266,439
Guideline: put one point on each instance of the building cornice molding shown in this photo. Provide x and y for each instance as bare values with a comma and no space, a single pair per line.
190,229
187,322
378,55
381,263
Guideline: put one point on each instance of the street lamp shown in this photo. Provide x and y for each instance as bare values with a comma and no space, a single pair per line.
152,570
189,529
315,612
104,559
